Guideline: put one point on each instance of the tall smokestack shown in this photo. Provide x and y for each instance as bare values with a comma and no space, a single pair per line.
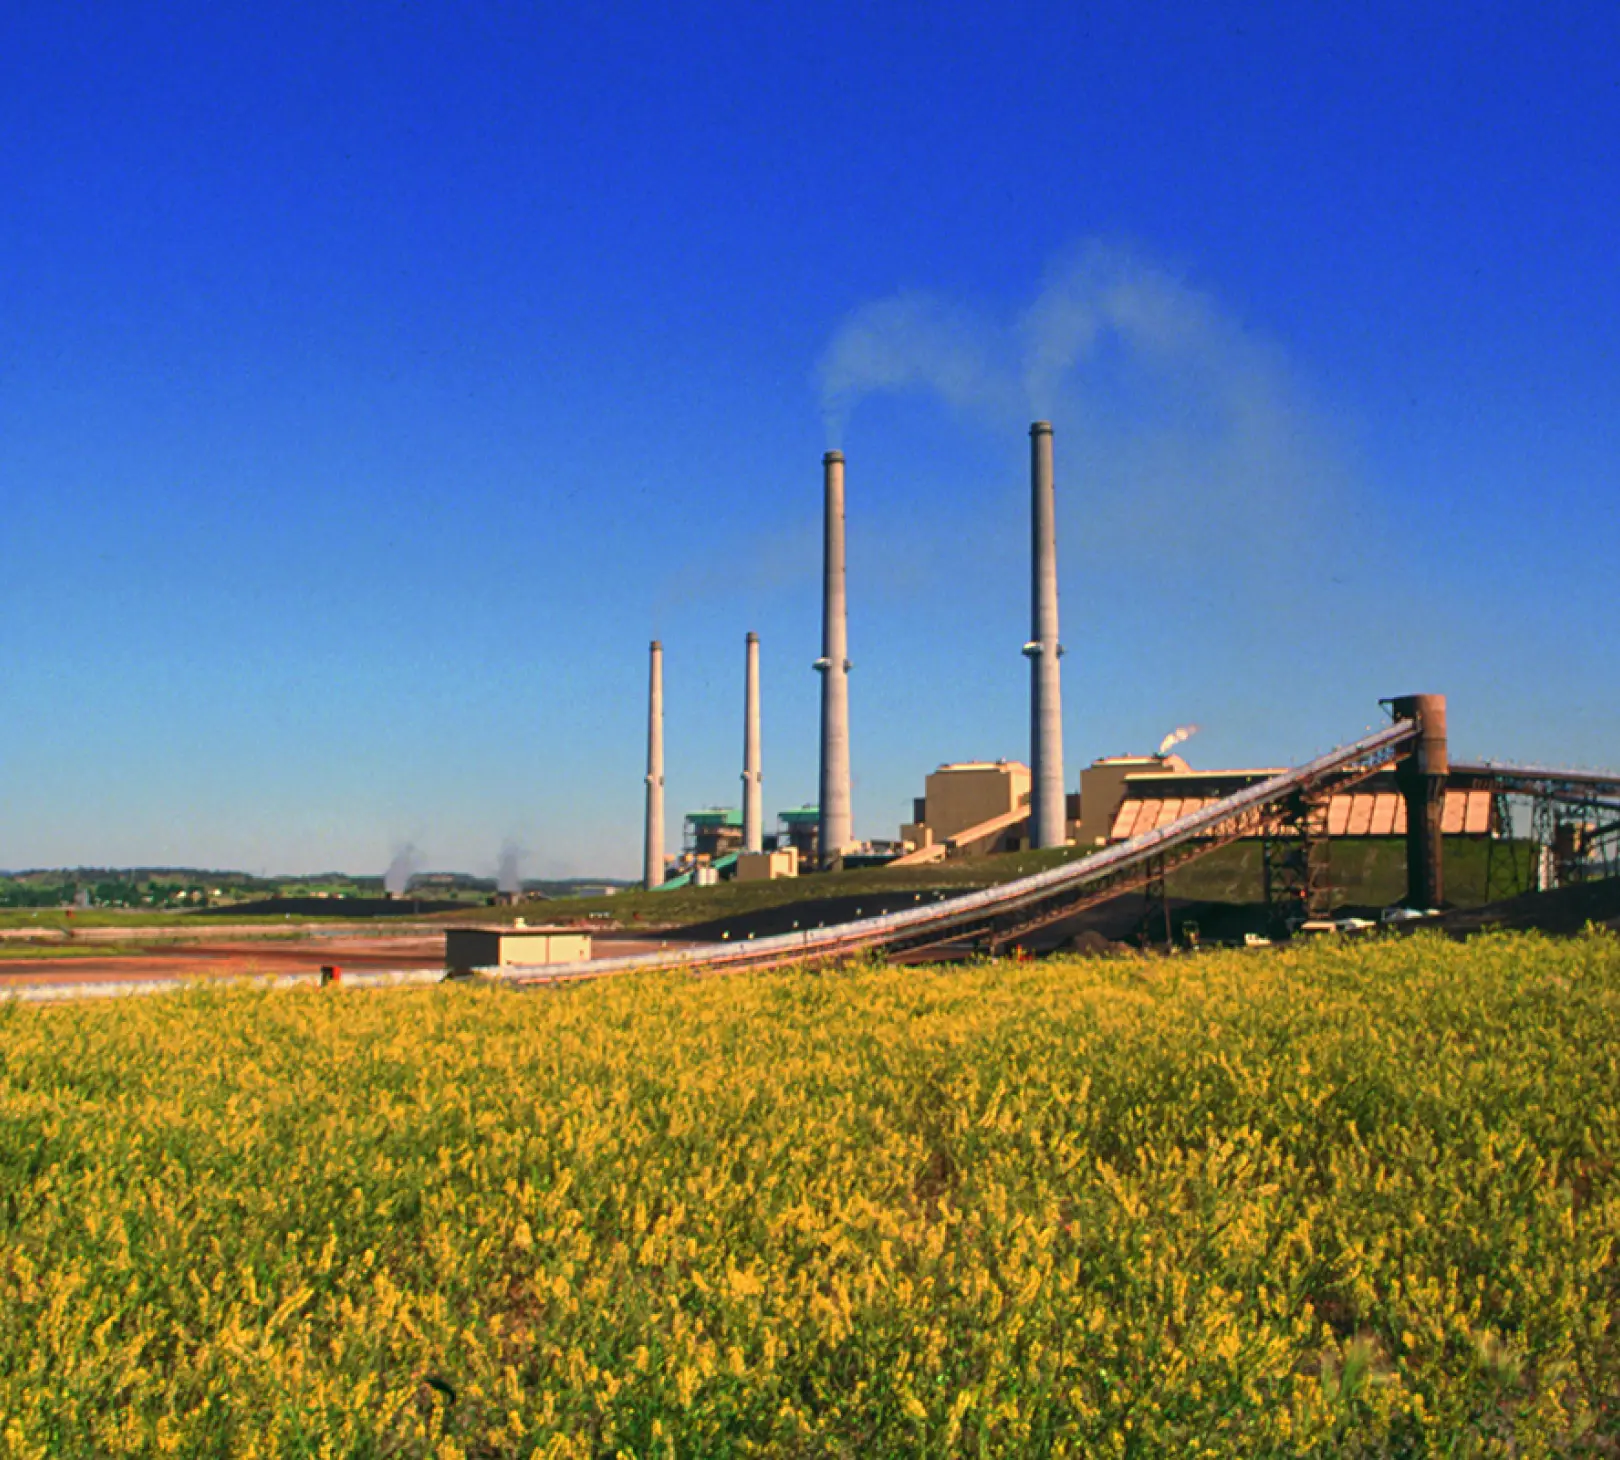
753,794
836,818
1048,824
653,862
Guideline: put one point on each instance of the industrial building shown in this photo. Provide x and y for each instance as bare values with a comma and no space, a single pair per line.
969,807
767,866
975,808
466,949
714,848
799,827
1125,796
712,833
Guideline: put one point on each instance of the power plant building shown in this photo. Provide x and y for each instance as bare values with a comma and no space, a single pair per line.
713,832
799,827
971,806
1126,796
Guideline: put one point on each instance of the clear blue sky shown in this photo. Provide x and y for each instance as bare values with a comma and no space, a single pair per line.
375,381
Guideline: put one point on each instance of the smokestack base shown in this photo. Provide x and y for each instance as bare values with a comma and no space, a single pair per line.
1420,776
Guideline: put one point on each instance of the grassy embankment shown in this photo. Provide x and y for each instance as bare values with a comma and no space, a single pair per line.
1340,1200
1371,874
1366,874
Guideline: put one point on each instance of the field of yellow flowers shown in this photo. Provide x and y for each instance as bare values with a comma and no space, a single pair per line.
1355,1199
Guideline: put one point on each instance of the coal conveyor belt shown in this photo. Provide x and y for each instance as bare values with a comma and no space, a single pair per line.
1530,780
997,916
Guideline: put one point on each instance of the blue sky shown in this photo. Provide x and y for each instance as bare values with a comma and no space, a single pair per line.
376,381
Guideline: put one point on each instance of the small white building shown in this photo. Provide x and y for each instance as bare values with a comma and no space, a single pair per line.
468,948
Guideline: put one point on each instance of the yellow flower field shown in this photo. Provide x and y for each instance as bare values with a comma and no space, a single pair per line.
1350,1199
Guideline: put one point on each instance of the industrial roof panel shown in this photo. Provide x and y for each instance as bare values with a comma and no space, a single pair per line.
716,816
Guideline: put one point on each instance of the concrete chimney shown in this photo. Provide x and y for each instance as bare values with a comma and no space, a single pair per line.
753,792
1047,823
836,818
653,861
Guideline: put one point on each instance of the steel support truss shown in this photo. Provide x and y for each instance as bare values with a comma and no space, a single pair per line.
1298,815
1574,820
997,917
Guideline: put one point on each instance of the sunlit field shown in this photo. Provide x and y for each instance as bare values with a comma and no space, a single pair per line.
1349,1199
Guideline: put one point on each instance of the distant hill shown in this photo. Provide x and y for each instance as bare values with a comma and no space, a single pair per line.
331,907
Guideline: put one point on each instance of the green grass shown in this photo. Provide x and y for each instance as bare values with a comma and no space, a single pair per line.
18,952
1364,872
1344,1200
686,905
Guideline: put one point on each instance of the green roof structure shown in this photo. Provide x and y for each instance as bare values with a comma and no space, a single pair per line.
712,817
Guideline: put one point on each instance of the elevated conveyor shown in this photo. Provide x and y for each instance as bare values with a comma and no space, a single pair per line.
998,915
1532,780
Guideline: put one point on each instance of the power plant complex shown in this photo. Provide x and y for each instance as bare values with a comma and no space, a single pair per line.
1029,804
1146,807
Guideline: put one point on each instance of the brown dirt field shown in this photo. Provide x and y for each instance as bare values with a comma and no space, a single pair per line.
259,957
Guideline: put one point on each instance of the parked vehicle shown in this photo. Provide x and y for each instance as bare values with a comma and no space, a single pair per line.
1407,914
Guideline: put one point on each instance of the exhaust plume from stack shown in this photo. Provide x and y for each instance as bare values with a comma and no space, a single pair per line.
406,863
653,862
753,792
1174,738
1048,823
836,819
509,869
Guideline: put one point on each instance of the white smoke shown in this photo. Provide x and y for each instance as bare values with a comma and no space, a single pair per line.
1190,431
1175,737
406,864
911,340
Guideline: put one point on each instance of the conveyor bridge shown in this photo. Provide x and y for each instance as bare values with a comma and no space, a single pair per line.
996,917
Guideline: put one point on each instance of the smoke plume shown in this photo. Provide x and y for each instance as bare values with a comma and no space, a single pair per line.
1175,737
911,340
1191,432
406,864
509,869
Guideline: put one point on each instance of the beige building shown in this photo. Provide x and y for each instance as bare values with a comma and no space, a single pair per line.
1103,787
469,948
1130,795
971,802
768,866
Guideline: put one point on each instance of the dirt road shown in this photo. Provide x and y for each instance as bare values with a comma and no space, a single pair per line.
257,958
